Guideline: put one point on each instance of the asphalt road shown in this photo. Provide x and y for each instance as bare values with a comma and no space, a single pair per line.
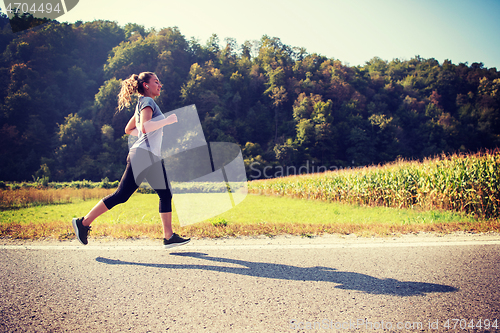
286,284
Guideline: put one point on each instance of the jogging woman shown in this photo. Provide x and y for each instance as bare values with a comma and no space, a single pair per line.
144,158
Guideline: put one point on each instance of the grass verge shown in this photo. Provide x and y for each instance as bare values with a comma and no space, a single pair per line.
256,215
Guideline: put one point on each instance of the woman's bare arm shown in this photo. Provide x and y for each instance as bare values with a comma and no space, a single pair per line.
131,127
148,125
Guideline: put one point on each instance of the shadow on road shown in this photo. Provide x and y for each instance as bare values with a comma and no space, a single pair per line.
345,280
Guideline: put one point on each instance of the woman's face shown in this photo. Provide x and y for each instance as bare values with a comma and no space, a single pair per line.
153,87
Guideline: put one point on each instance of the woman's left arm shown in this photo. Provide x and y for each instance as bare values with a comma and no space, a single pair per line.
148,125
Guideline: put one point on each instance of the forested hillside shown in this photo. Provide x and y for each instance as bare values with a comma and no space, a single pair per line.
282,105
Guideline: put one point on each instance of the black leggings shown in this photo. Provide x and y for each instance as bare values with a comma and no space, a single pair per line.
155,175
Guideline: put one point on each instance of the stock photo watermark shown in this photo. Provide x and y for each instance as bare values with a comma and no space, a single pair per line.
284,171
365,324
39,9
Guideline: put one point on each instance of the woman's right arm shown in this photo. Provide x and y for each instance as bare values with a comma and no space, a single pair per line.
131,127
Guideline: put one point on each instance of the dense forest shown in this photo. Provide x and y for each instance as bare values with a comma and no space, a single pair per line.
284,106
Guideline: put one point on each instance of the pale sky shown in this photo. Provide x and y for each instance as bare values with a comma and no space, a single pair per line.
353,31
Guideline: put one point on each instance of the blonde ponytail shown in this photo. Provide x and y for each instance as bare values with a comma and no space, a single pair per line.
130,86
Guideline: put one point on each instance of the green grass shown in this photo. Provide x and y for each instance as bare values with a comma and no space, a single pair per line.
262,209
142,209
256,215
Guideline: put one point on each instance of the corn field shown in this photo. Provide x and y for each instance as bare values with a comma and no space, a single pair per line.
463,183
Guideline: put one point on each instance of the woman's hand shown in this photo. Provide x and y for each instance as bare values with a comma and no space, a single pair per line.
172,119
150,125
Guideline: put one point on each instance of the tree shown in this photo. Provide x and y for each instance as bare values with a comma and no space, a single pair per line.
75,144
105,108
278,96
25,21
296,106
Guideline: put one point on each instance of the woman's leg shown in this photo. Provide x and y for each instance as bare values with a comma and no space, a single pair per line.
170,239
125,189
166,220
94,213
157,178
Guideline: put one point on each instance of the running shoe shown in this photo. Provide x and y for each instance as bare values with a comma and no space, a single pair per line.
81,231
175,240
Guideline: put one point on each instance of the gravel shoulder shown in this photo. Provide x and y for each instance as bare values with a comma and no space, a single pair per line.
282,240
